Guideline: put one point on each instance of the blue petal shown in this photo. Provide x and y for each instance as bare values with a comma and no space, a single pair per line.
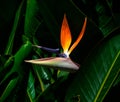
48,49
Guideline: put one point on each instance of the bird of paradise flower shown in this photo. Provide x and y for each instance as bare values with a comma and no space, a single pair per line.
63,61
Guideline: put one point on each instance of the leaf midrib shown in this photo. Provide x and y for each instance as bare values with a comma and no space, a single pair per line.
106,77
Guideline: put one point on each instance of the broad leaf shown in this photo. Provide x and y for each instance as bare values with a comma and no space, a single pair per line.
98,72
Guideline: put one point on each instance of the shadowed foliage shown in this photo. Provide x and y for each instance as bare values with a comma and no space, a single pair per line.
24,23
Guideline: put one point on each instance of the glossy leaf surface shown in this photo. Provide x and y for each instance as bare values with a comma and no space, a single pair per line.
97,75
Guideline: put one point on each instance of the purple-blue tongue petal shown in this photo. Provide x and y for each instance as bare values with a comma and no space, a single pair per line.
48,49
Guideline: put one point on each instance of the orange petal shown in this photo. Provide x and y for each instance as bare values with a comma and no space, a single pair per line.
65,36
79,37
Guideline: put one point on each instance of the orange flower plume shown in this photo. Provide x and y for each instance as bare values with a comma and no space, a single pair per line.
66,38
63,62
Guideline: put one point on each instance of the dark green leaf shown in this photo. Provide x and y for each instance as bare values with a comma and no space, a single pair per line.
44,75
6,65
49,18
8,89
19,58
102,13
117,81
31,22
55,92
31,87
12,34
98,72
